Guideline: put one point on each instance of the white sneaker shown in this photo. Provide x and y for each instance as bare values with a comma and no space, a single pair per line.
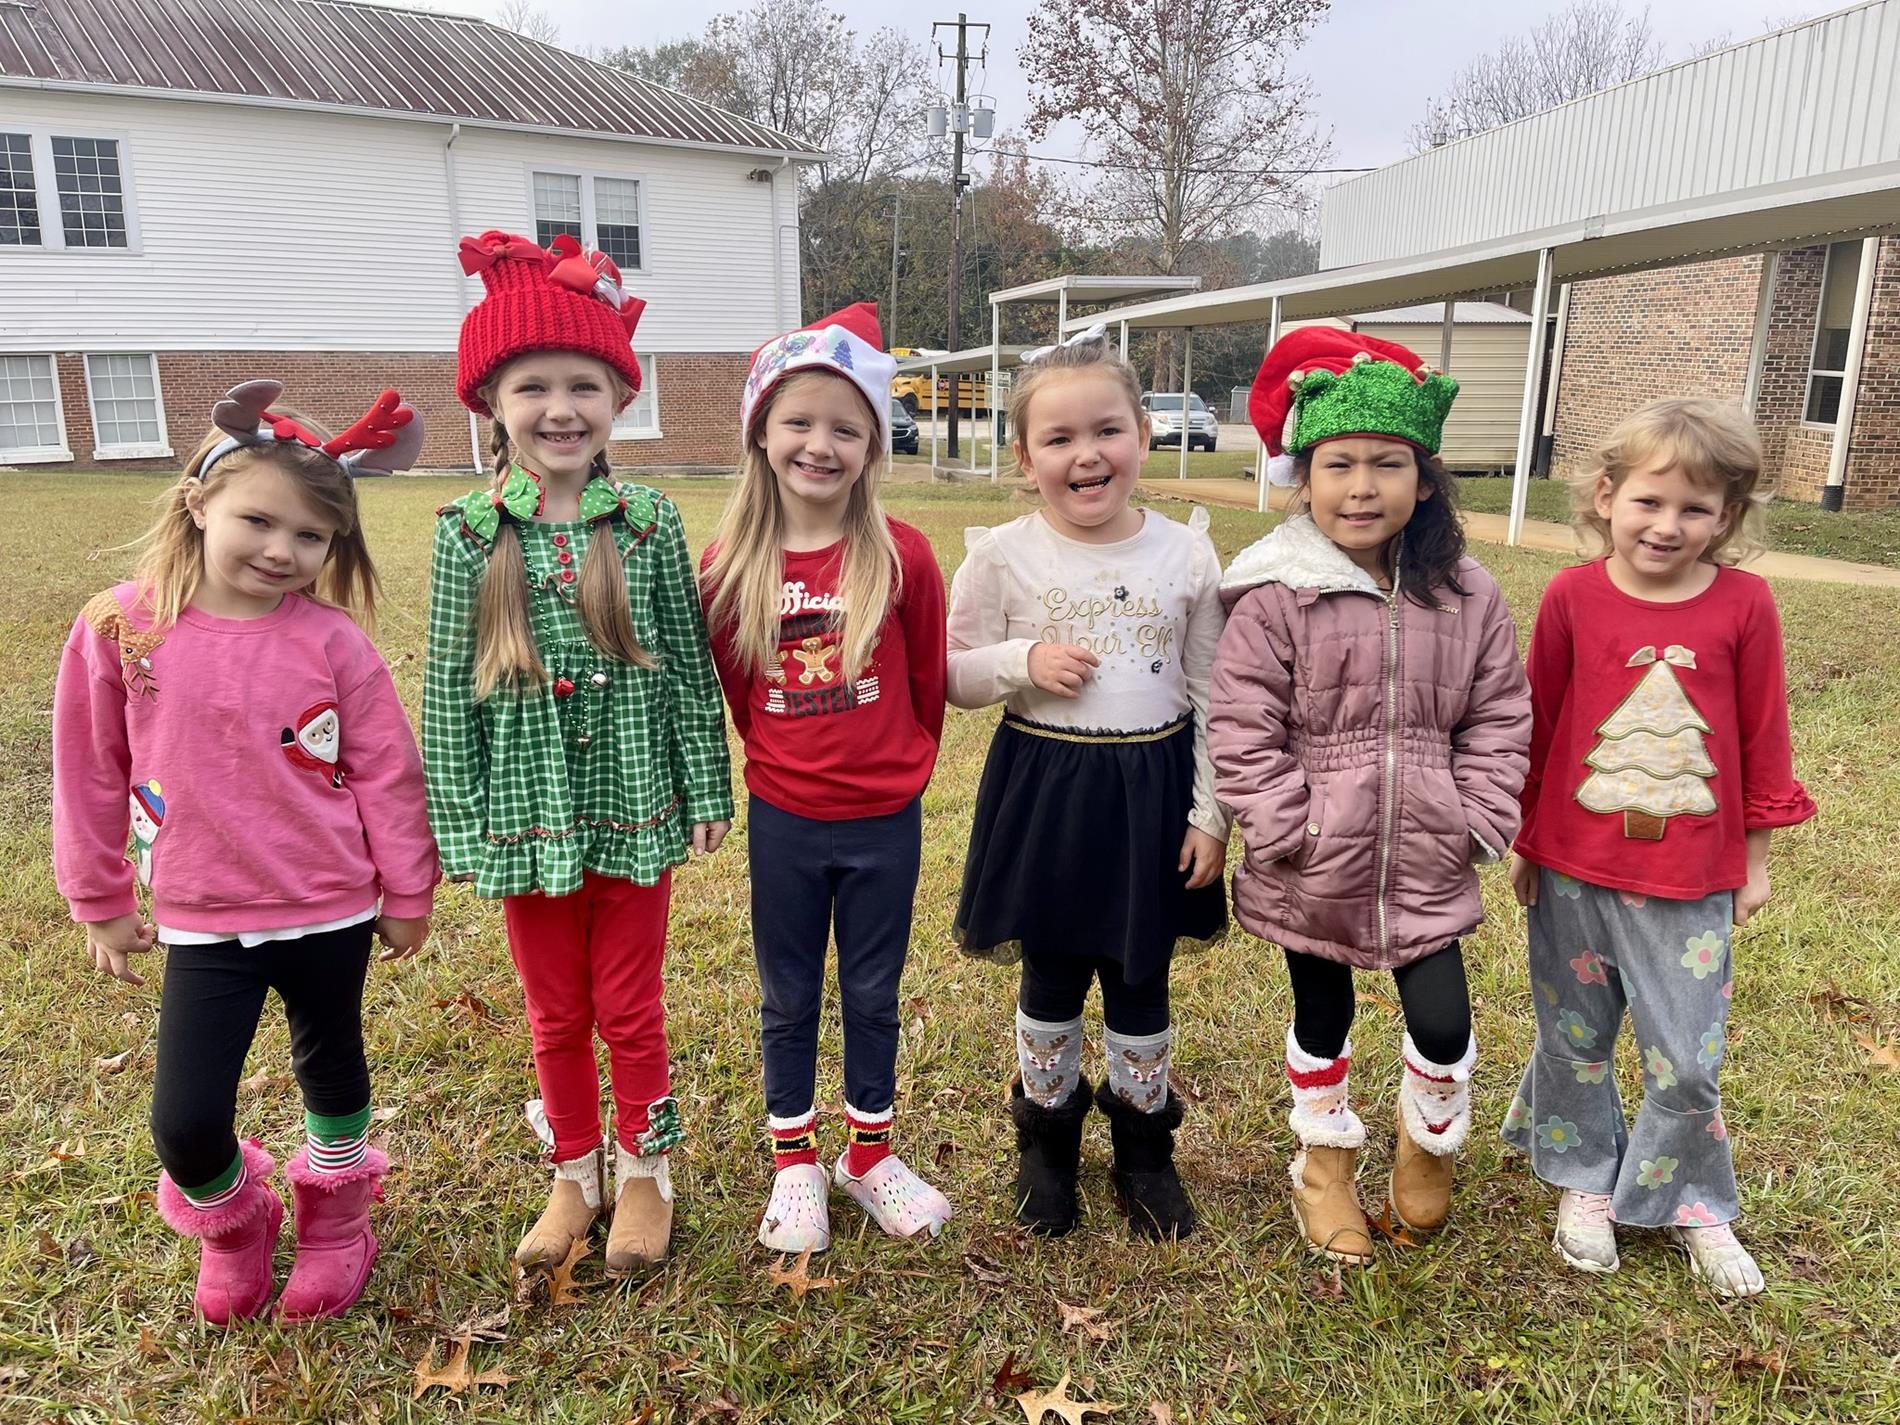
1586,1235
899,1201
798,1218
1718,1259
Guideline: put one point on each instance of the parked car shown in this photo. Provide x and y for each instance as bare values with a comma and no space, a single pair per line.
1164,415
903,429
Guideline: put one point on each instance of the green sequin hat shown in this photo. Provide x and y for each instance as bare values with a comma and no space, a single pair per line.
1320,383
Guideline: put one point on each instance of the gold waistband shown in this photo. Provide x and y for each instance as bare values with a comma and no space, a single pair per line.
1058,734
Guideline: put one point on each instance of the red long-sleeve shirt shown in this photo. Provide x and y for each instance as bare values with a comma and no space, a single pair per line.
1670,711
817,745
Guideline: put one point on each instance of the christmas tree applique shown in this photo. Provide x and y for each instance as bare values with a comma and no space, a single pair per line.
1652,762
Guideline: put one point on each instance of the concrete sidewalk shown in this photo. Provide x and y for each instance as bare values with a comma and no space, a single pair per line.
1538,534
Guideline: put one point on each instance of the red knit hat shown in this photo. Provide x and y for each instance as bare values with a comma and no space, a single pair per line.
567,298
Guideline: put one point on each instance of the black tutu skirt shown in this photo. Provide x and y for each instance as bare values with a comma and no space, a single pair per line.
1076,847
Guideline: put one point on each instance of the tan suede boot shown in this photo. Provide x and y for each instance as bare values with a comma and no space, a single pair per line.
643,1213
1326,1204
574,1203
1420,1188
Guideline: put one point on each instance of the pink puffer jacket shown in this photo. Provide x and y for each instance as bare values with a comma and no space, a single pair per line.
1371,749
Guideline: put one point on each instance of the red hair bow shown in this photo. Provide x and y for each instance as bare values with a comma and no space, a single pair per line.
479,254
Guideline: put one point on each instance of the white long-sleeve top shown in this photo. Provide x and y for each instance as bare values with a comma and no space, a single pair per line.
1148,607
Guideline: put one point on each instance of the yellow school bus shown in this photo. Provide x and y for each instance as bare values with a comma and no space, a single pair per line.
917,395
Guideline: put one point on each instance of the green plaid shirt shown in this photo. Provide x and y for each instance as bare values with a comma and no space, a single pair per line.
608,769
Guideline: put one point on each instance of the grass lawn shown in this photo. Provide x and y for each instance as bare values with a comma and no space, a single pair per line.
1236,1324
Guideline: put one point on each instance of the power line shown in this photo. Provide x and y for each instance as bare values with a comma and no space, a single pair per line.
1196,172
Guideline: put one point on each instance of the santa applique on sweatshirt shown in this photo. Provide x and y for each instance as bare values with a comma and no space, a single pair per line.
312,744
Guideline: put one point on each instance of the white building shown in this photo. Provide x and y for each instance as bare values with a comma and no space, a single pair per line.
196,192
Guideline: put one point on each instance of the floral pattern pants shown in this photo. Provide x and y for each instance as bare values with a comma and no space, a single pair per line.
1595,953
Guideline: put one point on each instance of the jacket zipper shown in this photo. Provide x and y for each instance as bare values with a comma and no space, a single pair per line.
1390,780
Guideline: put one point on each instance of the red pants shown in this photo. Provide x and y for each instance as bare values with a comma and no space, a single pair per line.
592,960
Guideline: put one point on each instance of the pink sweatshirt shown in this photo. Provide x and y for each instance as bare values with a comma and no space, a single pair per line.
264,769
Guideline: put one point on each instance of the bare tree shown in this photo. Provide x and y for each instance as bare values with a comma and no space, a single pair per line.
1190,114
524,17
1579,50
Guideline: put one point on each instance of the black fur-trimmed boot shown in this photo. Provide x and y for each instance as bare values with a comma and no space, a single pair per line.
1146,1184
1049,1149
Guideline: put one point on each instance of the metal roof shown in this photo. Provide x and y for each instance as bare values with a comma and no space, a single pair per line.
974,358
1082,287
362,57
1472,314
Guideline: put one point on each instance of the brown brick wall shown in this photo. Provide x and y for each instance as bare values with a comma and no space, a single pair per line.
1687,331
699,402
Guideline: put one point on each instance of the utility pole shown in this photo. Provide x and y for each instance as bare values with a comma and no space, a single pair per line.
959,125
890,315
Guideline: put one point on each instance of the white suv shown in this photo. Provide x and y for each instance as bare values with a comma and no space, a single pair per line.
1164,415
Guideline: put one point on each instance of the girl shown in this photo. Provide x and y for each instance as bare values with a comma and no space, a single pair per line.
1660,765
1097,845
227,707
571,726
1368,729
827,621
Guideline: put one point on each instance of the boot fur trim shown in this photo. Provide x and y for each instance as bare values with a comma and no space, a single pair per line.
374,1166
189,1221
1032,1118
1129,1119
1332,1130
1451,1131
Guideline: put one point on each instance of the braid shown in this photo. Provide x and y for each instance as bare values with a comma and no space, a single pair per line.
498,448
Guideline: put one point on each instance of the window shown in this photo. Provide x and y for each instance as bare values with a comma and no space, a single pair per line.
66,191
602,211
641,419
19,207
1833,326
128,419
30,418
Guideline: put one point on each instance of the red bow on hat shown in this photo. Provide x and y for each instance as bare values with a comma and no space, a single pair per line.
592,273
477,254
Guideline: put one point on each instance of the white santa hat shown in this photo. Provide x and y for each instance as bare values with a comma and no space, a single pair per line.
849,342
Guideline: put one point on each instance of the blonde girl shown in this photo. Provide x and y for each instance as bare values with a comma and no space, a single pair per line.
227,711
571,725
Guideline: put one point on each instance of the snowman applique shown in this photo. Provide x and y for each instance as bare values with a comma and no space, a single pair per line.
148,816
312,744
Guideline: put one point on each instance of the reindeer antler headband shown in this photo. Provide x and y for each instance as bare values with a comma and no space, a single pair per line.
386,439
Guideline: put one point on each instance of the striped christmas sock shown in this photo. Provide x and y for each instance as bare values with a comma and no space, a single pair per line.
221,1189
337,1142
870,1142
793,1140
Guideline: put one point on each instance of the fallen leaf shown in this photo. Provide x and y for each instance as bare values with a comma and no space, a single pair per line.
262,1080
1390,1228
1885,1054
1038,1403
1082,1318
673,1365
454,1377
1377,1000
645,1415
490,1327
10,1374
1180,1088
471,1004
1160,1414
117,1062
944,1152
796,1277
984,1269
148,1343
1768,1362
49,1245
1008,1379
724,1407
561,1288
1327,1284
1841,1005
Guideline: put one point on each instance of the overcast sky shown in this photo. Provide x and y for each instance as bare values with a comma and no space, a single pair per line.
1374,63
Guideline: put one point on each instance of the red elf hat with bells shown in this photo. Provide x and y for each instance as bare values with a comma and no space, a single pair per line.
1321,383
563,298
849,343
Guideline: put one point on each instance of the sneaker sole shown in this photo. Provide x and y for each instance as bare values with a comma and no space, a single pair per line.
1584,1264
1674,1237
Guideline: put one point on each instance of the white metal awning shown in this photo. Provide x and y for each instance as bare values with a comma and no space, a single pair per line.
1087,287
974,358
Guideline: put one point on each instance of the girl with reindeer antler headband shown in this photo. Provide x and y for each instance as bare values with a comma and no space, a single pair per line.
226,713
571,724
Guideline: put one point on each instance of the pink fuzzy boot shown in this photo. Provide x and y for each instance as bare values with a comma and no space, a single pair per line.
335,1248
236,1237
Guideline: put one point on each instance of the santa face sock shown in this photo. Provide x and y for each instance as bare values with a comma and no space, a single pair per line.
794,1140
1435,1099
1049,1056
1138,1067
337,1142
1322,1114
870,1142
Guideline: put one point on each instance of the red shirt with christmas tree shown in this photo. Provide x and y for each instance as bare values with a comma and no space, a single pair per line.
1659,734
817,745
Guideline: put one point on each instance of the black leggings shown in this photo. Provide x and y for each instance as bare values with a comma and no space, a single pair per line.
1055,986
207,1017
1432,992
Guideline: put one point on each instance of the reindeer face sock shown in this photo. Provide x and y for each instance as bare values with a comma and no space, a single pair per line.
1050,1057
1138,1067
